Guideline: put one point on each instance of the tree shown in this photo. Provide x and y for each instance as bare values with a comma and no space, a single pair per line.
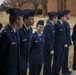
14,3
44,6
21,3
36,3
2,8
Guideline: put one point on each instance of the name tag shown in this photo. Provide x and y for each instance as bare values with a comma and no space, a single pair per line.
36,41
24,39
13,43
60,29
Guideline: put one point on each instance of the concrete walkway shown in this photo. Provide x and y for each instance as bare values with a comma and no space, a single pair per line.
73,73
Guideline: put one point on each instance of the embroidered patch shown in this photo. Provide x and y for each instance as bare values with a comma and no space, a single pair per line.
60,29
24,39
36,41
13,43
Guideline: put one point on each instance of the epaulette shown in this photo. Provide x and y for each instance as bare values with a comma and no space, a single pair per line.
3,32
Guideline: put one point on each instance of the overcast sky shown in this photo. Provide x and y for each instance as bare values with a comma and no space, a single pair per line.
1,1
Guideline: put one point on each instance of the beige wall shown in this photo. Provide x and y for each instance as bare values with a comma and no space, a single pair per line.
52,5
71,5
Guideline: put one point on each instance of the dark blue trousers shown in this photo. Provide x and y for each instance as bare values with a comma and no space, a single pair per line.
23,66
47,65
65,61
74,59
35,69
57,62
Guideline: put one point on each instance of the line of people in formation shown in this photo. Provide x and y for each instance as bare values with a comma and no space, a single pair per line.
18,45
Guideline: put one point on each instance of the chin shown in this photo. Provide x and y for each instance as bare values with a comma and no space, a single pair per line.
32,25
20,27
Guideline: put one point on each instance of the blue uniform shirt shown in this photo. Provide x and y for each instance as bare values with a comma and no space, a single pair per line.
49,33
36,49
9,51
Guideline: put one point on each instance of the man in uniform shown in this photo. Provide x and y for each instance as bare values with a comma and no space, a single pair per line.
9,44
74,43
25,37
60,43
49,33
36,50
0,26
65,68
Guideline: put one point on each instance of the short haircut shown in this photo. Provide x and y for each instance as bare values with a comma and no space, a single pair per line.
37,25
50,18
0,26
13,18
25,17
47,21
59,17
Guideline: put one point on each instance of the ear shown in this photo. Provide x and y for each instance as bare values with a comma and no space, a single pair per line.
25,20
17,20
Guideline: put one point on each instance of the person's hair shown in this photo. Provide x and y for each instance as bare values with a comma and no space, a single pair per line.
25,17
47,21
37,25
0,26
13,18
59,17
50,18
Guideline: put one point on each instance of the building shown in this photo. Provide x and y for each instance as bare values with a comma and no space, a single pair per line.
56,5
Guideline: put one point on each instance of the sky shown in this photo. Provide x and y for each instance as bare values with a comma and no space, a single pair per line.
1,1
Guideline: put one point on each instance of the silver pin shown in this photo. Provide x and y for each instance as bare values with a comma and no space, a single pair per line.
24,30
5,31
53,31
60,29
11,30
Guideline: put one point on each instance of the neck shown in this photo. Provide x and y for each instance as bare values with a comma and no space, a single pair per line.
27,25
61,20
14,26
52,22
38,32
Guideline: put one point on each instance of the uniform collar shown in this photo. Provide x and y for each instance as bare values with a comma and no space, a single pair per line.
13,28
26,27
39,34
51,22
66,21
61,22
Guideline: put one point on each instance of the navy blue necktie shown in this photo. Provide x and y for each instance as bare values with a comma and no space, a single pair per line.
28,34
40,38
